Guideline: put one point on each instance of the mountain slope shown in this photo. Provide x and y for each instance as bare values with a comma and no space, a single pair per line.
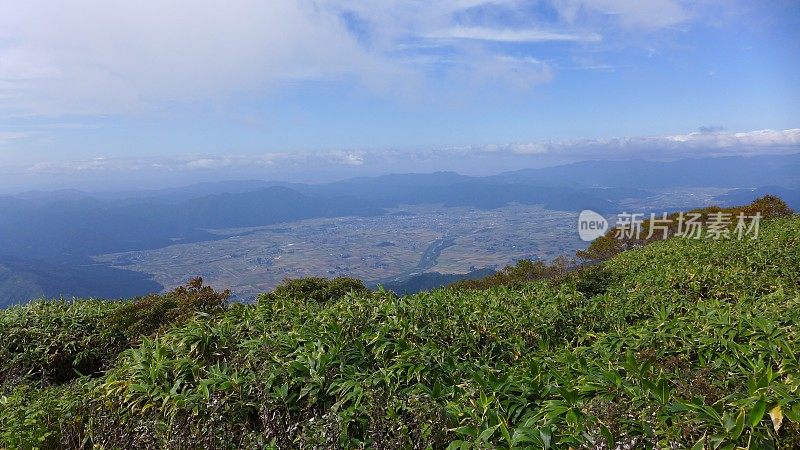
74,230
23,279
681,343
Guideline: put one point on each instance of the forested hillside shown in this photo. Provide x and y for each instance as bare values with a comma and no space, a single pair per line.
680,343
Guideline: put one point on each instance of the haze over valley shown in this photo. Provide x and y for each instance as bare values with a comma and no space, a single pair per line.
248,236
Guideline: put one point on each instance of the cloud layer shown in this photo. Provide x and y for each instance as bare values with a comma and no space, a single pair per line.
98,57
696,144
708,141
93,56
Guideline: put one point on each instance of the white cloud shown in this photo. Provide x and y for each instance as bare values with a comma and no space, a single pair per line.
99,57
710,142
221,162
506,35
697,144
629,13
94,56
203,162
348,158
6,137
99,164
743,141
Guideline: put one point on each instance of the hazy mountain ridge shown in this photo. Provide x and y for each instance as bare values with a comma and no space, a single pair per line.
66,228
728,171
744,196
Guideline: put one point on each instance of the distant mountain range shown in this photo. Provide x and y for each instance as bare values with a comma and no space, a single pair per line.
730,172
47,239
65,230
745,196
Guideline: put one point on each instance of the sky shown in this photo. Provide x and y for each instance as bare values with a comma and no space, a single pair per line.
99,95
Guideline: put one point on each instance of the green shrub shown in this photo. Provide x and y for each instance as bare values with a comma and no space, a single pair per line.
602,249
147,315
594,280
317,289
768,206
55,342
524,271
44,418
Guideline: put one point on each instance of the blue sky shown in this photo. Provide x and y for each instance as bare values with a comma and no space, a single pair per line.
93,92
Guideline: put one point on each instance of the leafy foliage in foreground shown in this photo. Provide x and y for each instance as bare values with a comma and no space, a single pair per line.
56,342
53,342
152,313
682,343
